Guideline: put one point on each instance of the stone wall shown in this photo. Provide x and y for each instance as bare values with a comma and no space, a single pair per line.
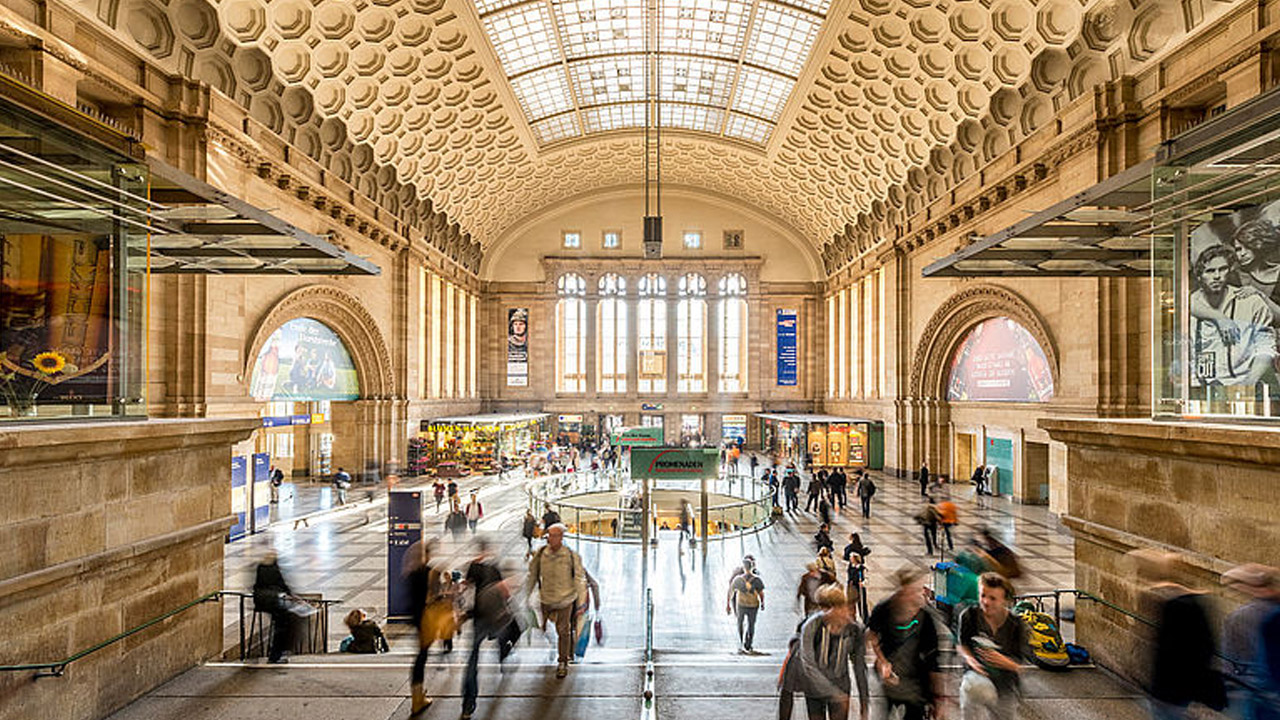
104,527
1207,492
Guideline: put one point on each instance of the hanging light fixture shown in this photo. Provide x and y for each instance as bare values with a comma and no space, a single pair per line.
652,132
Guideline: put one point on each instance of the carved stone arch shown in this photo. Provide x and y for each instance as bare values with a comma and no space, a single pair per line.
953,320
345,315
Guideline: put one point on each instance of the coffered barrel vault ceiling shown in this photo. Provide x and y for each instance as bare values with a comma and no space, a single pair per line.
897,100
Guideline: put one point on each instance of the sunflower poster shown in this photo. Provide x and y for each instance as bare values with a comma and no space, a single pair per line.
55,318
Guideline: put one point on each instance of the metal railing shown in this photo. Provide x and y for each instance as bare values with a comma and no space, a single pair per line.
648,709
746,515
254,636
58,668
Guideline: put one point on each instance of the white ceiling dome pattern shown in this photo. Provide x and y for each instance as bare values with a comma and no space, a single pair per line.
907,98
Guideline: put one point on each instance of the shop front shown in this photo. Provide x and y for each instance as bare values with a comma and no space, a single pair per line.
479,444
823,440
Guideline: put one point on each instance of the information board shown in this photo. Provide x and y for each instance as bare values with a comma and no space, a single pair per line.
788,360
260,498
239,497
404,528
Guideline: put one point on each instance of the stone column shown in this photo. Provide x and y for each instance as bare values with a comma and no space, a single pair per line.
592,340
672,348
712,346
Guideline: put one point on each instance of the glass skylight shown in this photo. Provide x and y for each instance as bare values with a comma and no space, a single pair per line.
578,66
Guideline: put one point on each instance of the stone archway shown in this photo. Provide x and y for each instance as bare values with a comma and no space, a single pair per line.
927,412
346,316
953,320
367,440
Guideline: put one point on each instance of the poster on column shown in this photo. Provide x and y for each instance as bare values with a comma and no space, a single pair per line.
787,357
517,347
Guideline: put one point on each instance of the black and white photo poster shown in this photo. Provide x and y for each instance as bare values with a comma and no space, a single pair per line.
517,347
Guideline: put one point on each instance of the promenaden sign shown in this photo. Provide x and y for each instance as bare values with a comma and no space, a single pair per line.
674,463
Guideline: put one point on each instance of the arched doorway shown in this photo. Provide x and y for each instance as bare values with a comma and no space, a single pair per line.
319,369
983,371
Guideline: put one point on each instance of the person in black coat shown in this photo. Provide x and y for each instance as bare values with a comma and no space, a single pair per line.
271,595
923,477
1183,645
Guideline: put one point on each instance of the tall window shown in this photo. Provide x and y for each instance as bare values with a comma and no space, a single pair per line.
691,334
612,331
571,334
450,340
831,346
472,389
651,334
842,322
733,333
855,345
437,334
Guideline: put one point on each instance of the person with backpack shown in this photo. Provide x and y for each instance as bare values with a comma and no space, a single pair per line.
489,616
855,558
341,482
865,490
474,511
993,643
927,519
277,479
903,638
527,531
948,517
830,641
556,572
745,601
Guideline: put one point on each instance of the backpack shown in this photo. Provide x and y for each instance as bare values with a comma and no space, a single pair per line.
750,597
1044,642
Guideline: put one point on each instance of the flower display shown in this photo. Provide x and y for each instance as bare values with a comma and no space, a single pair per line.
49,362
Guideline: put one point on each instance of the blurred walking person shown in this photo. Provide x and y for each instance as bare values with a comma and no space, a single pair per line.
1183,648
903,638
854,556
271,594
474,512
992,643
556,572
432,614
528,530
831,640
489,615
1251,641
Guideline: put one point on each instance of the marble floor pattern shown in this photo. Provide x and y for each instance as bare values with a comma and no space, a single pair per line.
699,672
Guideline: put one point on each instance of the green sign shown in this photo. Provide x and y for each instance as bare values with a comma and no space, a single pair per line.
674,463
639,437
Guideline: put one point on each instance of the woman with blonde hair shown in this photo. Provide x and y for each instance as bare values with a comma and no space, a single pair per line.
433,615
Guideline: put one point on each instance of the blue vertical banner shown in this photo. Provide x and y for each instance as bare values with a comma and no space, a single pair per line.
404,528
788,359
239,497
261,495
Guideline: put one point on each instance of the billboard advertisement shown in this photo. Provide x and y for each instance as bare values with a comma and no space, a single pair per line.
304,360
788,360
999,361
517,347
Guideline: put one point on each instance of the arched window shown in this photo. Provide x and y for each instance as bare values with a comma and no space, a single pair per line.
651,334
691,334
611,324
571,334
733,333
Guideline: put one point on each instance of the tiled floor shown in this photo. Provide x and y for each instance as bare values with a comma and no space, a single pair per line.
699,673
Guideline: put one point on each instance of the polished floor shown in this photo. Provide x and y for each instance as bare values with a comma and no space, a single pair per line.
699,672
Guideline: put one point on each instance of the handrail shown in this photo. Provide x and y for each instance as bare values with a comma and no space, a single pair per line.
648,710
57,668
